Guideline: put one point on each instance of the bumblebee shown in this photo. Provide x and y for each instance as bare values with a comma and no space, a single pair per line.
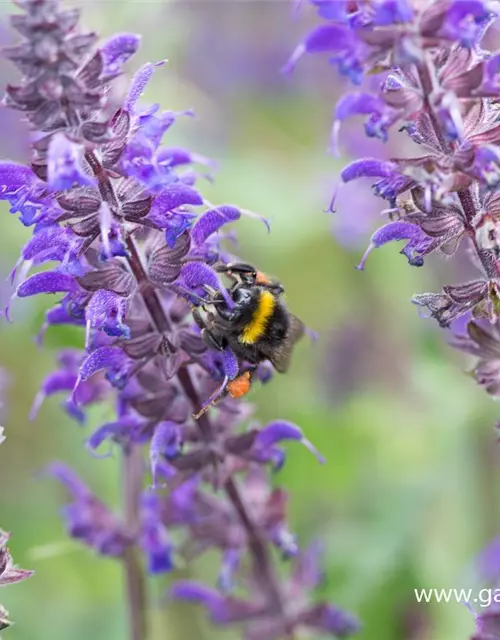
259,327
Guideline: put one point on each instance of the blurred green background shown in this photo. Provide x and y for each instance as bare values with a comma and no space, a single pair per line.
410,490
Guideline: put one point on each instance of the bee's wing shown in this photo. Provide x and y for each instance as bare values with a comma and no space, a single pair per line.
281,356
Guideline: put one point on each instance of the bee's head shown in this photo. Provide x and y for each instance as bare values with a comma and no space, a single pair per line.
246,275
245,298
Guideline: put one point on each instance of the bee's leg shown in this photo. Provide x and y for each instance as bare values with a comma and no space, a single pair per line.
241,385
198,318
214,340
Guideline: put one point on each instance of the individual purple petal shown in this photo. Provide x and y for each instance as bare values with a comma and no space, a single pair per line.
222,609
336,10
55,382
43,243
329,37
139,83
65,164
154,539
359,103
166,443
100,359
280,430
198,274
47,282
176,156
117,431
368,168
176,195
418,243
66,476
211,221
117,50
13,176
57,316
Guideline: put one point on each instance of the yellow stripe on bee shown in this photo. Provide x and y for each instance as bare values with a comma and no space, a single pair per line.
256,327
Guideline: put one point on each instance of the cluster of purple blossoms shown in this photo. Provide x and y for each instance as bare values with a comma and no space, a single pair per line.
440,88
131,245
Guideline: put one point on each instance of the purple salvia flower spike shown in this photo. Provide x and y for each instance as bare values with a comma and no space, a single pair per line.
118,214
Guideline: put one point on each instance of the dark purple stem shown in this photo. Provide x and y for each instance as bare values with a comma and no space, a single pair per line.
134,577
152,302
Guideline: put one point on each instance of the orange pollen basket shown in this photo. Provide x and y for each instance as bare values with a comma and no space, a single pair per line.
240,386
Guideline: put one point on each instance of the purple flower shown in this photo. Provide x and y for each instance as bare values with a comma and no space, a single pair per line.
64,380
418,245
154,539
88,519
64,169
106,311
465,20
